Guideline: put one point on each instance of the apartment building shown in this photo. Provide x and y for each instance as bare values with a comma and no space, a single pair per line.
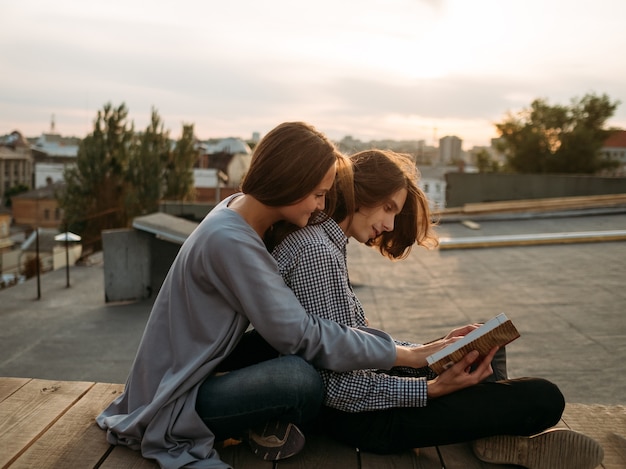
16,163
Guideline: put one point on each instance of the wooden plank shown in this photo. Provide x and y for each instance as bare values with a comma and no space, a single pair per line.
322,451
461,456
9,385
74,440
240,456
49,424
124,458
404,460
428,458
27,413
605,424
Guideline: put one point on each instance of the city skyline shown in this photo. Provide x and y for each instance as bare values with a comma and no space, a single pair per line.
398,70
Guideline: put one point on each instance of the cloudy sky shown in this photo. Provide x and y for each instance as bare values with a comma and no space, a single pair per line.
372,69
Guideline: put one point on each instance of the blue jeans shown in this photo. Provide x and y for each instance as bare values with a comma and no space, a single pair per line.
285,388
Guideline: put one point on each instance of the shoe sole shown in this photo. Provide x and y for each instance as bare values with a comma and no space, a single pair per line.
277,441
557,448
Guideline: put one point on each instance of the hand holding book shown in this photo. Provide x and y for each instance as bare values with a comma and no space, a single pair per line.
496,332
469,371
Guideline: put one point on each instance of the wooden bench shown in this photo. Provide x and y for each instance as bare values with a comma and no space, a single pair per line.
50,424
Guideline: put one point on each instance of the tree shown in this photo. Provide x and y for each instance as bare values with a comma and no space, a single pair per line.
147,160
94,197
558,139
179,181
485,163
13,191
119,175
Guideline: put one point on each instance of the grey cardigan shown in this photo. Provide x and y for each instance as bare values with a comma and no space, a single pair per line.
222,280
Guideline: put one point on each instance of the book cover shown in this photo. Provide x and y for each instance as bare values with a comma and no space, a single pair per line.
496,332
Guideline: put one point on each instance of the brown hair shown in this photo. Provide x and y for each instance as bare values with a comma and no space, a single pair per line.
378,174
288,164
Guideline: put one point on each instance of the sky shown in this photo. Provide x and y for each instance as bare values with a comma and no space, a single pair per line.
370,69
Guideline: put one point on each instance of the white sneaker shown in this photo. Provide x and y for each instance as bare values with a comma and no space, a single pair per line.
557,448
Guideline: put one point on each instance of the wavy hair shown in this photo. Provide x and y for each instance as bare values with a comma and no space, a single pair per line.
377,175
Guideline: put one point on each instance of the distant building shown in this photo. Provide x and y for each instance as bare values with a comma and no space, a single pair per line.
450,150
5,230
16,163
615,149
38,207
52,253
426,154
432,181
221,167
52,154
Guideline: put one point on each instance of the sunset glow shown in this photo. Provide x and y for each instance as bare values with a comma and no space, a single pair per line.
372,69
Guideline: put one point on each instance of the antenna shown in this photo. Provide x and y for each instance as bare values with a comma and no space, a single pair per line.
52,124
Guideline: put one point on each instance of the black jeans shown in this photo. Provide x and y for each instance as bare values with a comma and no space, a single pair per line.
516,407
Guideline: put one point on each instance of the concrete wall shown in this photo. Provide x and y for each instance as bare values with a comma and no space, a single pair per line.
10,262
163,254
59,256
135,264
463,188
127,265
189,210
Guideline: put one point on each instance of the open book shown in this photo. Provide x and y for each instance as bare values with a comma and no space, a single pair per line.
496,332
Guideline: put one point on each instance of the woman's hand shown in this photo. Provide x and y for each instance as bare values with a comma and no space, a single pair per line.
462,331
415,357
461,375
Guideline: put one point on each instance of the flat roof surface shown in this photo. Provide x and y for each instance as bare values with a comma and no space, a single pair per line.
165,226
567,301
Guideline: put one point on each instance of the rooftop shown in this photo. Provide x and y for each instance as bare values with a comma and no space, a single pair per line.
565,299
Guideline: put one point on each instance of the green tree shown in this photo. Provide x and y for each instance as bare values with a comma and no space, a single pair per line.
485,163
179,181
120,174
94,196
558,139
12,191
149,155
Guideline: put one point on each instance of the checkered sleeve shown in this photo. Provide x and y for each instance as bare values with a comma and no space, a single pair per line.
317,274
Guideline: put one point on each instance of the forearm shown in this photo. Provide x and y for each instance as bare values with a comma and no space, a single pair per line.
369,390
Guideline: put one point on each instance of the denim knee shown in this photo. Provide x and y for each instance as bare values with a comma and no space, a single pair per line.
300,380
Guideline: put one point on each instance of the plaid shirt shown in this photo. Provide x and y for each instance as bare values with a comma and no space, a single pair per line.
313,263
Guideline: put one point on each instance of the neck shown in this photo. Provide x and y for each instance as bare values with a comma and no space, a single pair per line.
258,215
344,225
